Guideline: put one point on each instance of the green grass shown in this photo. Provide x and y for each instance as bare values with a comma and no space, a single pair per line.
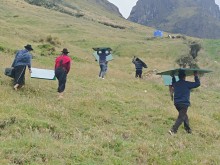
119,120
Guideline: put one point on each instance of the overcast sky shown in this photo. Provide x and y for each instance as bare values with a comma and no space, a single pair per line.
125,6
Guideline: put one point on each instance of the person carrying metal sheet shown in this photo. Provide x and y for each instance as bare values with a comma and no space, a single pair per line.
139,65
22,59
182,99
103,63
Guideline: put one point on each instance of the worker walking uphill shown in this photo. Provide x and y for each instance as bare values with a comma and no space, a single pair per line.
62,68
182,99
21,61
103,63
139,65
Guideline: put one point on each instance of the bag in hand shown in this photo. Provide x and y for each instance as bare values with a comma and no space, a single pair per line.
10,72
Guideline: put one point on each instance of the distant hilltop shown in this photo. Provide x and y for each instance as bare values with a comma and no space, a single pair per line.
197,18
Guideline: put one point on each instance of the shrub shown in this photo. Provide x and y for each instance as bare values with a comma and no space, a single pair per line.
190,60
2,49
187,61
46,49
53,40
112,25
57,6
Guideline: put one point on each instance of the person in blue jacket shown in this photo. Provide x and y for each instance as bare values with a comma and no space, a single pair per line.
22,59
182,99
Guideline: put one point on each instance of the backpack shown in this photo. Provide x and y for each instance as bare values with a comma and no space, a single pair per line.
10,72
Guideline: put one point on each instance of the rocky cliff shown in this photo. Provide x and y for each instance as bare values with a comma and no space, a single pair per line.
109,6
198,18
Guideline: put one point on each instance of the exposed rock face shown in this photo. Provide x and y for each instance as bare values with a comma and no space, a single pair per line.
198,18
109,6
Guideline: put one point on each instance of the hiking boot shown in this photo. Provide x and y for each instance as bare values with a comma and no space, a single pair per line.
187,129
171,132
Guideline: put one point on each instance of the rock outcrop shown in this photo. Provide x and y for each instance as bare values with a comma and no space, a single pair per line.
109,6
198,18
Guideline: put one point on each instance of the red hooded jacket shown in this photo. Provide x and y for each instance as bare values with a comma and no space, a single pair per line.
64,62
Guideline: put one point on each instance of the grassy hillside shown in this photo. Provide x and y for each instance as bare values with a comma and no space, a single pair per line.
119,120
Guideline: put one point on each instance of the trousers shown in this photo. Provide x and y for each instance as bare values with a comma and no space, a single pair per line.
182,117
19,75
138,73
103,68
61,75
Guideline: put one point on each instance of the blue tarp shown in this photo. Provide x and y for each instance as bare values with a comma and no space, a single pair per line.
158,33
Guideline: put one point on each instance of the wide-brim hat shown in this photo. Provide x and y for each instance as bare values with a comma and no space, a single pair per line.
28,47
65,50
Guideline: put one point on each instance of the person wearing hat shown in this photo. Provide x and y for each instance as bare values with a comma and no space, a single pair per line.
62,68
182,99
22,59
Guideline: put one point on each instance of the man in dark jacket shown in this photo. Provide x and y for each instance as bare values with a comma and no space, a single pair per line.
139,67
182,100
103,63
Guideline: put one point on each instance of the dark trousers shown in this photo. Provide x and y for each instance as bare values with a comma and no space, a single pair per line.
182,117
61,75
138,73
19,77
102,70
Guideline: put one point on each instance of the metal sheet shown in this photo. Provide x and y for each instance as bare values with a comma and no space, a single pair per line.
188,71
43,74
108,58
168,79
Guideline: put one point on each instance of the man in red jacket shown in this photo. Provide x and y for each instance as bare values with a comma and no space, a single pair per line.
62,68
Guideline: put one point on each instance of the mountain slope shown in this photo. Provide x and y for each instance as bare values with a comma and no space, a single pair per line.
119,120
193,18
77,9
